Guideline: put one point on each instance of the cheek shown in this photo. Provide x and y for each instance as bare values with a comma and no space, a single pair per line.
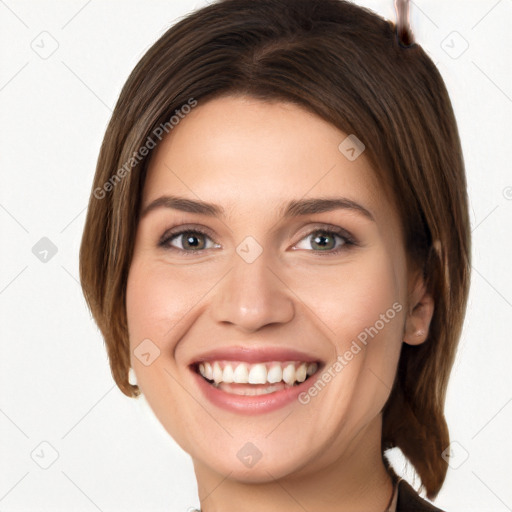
146,303
362,314
350,297
157,300
158,308
373,320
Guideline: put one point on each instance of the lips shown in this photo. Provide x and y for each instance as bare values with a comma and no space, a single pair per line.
236,378
255,355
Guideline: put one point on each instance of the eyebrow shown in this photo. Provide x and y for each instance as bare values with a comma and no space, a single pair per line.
294,208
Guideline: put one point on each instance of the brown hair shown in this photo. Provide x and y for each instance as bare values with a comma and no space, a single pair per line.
348,66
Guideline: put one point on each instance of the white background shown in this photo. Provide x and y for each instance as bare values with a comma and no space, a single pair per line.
55,382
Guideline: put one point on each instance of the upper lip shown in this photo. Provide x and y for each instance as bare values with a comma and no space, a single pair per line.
255,355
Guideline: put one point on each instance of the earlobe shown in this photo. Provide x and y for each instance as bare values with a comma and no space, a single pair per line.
132,378
419,316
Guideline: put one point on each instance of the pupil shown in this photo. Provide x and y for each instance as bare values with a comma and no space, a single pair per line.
190,241
322,240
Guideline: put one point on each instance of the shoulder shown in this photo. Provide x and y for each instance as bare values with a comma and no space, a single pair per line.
410,501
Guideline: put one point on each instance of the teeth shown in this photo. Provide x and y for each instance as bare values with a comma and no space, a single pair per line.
217,372
208,372
260,373
275,374
300,373
312,368
289,374
228,375
241,374
251,390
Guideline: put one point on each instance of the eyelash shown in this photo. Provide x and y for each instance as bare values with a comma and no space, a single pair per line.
348,240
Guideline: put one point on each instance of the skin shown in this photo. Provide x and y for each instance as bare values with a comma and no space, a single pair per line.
251,157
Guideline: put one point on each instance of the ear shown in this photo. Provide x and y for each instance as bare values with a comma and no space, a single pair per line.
421,310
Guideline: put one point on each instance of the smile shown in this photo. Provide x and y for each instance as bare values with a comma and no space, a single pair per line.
256,387
241,378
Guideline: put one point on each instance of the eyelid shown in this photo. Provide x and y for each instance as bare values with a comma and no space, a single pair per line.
338,230
180,230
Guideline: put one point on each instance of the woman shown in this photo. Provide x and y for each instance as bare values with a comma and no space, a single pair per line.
277,244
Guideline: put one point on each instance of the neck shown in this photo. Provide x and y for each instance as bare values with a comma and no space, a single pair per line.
355,482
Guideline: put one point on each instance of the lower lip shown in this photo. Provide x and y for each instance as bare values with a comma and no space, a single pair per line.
253,404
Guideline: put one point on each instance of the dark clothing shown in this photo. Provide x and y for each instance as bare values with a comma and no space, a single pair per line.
410,501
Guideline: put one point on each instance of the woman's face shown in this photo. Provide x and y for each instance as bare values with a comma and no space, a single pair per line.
275,281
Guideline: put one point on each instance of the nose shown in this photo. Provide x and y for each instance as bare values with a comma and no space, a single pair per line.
251,296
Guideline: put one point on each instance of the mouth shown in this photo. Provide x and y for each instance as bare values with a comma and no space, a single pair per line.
253,379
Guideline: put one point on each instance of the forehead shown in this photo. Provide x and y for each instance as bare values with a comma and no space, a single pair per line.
244,153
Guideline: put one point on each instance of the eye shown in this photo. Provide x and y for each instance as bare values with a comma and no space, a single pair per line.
194,240
189,240
324,240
